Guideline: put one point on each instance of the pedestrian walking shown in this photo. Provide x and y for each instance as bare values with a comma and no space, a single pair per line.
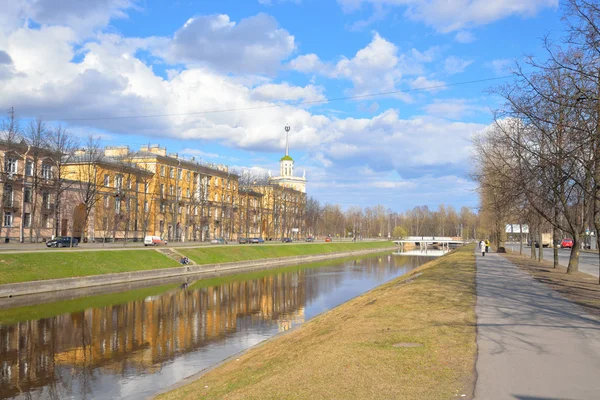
482,247
487,245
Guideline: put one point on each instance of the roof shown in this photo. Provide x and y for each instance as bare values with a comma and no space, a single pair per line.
286,158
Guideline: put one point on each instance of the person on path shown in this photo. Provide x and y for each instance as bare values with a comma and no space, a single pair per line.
482,247
487,245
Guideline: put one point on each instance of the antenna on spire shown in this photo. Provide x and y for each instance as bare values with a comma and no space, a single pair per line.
287,143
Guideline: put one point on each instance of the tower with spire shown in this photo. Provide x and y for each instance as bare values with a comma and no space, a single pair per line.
286,169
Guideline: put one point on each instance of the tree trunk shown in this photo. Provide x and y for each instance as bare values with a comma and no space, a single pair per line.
574,256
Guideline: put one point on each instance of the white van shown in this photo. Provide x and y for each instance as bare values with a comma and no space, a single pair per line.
153,241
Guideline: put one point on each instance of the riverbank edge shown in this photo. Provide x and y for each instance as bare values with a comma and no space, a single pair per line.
467,381
205,270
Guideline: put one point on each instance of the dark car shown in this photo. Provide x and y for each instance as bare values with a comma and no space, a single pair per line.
310,239
566,243
62,241
287,240
243,240
256,240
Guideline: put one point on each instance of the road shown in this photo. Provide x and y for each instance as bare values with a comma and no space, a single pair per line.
588,262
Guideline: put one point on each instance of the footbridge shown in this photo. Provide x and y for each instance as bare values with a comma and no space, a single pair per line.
426,241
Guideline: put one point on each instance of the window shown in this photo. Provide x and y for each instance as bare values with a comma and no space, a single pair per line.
179,172
162,170
8,196
106,180
146,209
187,192
118,181
195,210
216,181
46,171
29,168
162,209
189,176
171,190
228,185
216,197
8,219
187,210
135,225
27,195
45,221
128,205
45,199
118,206
105,223
10,166
171,172
27,220
106,201
162,226
180,210
162,190
228,199
129,183
178,193
145,187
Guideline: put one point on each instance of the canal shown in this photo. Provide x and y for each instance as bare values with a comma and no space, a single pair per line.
133,344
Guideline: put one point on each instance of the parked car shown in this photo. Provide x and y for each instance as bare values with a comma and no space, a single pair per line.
566,243
557,243
62,241
154,241
328,239
256,240
218,241
310,239
243,240
287,240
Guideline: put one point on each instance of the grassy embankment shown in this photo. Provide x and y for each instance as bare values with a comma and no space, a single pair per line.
25,267
364,348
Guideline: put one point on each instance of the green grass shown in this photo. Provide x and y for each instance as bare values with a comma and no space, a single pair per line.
354,351
211,255
25,267
13,315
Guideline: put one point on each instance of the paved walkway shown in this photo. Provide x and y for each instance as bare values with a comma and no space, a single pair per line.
532,343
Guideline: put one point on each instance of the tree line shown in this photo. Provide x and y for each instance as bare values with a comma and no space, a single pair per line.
539,162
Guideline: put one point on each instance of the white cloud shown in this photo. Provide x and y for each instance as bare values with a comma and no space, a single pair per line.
430,85
286,92
456,65
464,37
378,67
501,66
310,63
453,108
81,16
451,16
254,45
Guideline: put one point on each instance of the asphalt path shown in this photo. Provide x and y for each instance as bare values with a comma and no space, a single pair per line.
588,261
532,343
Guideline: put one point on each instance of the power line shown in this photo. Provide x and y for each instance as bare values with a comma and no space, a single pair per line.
362,96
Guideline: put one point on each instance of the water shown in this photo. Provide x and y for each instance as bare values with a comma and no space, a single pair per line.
134,344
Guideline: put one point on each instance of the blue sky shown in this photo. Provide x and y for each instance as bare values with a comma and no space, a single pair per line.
139,72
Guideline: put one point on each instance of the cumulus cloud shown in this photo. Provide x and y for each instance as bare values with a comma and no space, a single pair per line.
453,108
254,45
81,16
378,67
447,16
286,92
464,37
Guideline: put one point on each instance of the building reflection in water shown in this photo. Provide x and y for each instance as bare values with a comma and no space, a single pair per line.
64,355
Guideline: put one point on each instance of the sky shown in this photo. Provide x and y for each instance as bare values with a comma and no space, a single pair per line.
382,96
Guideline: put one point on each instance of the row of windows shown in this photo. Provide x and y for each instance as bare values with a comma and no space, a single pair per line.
8,220
27,196
11,167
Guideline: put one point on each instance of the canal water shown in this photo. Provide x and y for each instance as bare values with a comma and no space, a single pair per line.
133,344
